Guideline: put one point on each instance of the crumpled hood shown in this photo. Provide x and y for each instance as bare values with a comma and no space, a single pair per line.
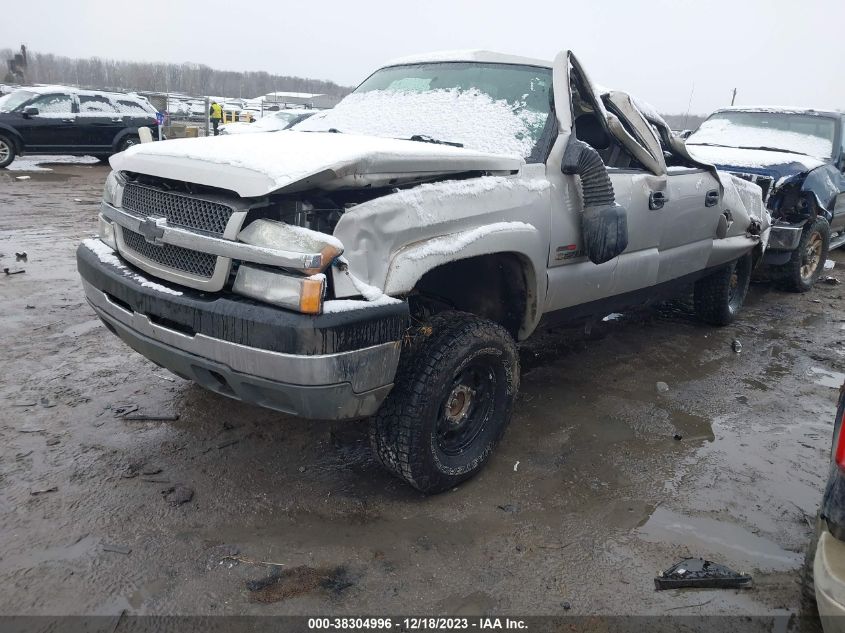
778,165
254,165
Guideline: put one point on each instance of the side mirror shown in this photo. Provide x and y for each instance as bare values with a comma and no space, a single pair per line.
29,111
604,224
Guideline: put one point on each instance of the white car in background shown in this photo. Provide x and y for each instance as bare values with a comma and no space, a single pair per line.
270,122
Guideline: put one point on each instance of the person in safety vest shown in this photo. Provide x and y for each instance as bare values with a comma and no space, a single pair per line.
216,112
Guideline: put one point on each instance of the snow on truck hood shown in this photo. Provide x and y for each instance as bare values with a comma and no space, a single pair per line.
259,164
734,157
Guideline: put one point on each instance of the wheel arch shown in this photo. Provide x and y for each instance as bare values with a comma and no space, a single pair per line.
13,135
503,286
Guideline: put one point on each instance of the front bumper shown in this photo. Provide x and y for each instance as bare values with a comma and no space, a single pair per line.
829,580
333,366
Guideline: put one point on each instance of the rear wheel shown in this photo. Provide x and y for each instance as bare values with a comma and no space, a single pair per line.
719,296
451,402
805,265
7,152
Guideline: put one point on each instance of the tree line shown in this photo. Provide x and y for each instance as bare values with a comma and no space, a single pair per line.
188,78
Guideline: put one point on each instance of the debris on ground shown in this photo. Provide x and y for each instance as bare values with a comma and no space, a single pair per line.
53,441
289,583
149,417
829,264
736,346
125,409
219,554
117,549
177,495
9,271
613,316
515,467
566,606
678,436
20,257
41,491
22,177
662,387
831,281
701,574
509,508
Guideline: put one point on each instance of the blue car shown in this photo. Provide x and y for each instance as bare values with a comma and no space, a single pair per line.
797,157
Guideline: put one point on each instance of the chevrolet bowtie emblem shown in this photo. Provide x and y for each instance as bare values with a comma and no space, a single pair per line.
152,229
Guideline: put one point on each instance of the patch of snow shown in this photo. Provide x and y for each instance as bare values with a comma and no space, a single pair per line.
415,198
470,117
107,255
756,158
613,316
829,264
35,162
334,306
451,244
22,177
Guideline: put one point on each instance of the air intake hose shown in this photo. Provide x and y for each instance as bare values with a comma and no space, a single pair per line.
604,224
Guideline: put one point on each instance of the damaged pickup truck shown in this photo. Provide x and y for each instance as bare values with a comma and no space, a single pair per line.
383,258
797,158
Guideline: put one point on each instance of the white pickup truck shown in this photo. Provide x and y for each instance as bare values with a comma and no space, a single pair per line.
383,259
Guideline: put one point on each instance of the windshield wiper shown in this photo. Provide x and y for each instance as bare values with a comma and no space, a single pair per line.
424,138
775,149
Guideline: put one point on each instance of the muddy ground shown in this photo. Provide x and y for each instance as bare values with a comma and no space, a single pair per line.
588,496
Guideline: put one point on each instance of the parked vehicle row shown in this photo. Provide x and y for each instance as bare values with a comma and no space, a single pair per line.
384,258
61,120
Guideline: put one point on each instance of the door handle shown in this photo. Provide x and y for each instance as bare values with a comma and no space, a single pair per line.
656,200
711,198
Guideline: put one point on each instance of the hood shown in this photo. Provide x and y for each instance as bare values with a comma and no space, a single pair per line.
778,165
254,165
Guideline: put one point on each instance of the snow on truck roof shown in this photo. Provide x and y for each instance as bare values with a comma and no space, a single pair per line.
780,110
489,57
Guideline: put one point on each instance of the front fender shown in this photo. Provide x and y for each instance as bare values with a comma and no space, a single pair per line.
825,183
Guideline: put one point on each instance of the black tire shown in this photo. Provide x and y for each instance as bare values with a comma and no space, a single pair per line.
451,402
805,265
719,296
103,158
7,151
128,141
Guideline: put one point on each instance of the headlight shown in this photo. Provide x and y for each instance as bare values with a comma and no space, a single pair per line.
106,232
303,294
113,191
272,234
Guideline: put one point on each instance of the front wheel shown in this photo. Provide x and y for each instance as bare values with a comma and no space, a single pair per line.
451,402
7,152
128,142
719,296
805,265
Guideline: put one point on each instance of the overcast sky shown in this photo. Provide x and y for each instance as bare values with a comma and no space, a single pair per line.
784,52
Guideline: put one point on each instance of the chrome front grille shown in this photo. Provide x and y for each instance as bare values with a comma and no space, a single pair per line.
174,257
179,209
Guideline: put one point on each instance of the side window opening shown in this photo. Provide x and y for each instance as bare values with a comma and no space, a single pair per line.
589,127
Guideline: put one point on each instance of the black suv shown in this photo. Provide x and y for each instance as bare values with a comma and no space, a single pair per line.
60,120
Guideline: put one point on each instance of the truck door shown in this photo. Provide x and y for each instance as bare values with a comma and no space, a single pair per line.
574,279
99,123
53,129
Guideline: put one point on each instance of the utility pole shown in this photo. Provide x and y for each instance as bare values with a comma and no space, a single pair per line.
733,97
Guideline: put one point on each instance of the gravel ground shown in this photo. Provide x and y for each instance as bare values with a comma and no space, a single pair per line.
589,495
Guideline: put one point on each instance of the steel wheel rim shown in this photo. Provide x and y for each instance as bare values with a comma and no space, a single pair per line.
5,151
812,255
466,408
